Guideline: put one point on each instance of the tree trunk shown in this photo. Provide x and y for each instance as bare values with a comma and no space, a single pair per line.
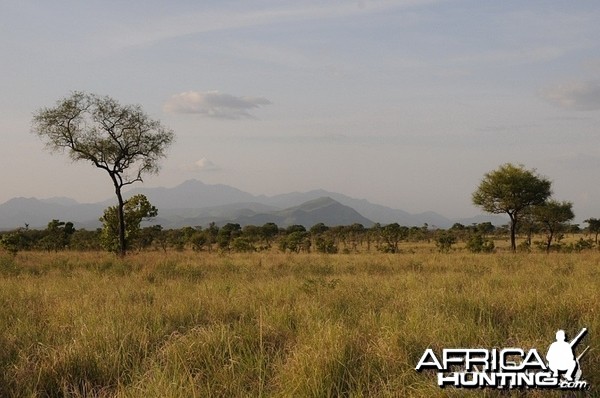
513,232
121,213
122,250
549,241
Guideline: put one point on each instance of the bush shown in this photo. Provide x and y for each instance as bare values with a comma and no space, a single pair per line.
326,245
580,245
444,241
479,244
242,244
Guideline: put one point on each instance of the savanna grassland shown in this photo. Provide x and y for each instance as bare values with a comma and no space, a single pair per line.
279,325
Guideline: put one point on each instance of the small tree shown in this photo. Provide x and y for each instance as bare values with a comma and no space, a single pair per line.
198,240
119,139
445,240
12,242
57,235
478,243
553,217
295,241
136,209
227,234
392,234
593,227
268,233
511,189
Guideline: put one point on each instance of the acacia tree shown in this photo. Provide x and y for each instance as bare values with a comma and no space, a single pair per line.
511,189
553,217
119,139
593,227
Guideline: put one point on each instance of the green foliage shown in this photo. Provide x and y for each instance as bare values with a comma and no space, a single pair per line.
14,242
242,244
296,241
268,233
477,243
511,189
147,236
581,245
84,240
57,235
325,244
445,240
136,209
553,217
11,242
227,234
318,229
391,235
199,240
593,227
295,228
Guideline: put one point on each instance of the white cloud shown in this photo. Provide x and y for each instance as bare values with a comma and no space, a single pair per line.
214,104
205,165
200,165
578,95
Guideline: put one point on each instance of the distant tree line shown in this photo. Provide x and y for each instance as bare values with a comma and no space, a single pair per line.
232,237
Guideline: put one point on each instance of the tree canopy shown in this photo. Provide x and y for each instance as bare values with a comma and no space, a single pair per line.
553,217
511,189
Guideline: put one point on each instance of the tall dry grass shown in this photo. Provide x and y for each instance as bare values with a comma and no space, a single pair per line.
201,325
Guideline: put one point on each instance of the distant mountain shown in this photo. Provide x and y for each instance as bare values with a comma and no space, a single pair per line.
61,201
194,203
321,210
37,213
193,194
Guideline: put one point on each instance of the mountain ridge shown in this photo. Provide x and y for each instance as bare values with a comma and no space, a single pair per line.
195,203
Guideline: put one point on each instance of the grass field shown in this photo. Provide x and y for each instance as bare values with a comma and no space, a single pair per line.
281,325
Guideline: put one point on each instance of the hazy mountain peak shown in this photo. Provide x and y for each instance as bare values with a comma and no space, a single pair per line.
196,203
191,183
61,200
323,201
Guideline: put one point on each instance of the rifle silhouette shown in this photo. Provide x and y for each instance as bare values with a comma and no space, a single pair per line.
583,352
574,342
579,372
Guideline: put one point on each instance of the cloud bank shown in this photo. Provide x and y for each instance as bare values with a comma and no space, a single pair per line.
214,104
579,95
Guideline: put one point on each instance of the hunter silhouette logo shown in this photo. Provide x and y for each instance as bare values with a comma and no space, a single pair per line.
561,356
509,368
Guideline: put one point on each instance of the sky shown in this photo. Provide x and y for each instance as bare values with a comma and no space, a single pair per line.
404,103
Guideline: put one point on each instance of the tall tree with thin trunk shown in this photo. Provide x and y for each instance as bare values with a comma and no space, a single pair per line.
512,190
119,139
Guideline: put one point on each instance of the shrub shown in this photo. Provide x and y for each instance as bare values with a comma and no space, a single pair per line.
479,244
444,241
325,245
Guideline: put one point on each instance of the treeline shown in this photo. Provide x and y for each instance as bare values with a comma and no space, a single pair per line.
232,237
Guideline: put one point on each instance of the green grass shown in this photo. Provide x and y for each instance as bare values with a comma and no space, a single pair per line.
200,325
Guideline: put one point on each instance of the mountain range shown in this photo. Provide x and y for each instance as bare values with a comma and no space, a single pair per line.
194,203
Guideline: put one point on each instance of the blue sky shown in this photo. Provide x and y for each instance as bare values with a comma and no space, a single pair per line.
404,103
